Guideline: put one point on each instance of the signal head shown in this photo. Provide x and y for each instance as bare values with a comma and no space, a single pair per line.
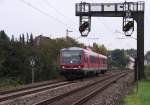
128,26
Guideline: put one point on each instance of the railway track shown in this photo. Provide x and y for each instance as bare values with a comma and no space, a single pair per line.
95,92
83,93
34,85
34,88
11,94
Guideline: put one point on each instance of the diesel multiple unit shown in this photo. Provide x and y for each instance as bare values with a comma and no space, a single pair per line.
77,62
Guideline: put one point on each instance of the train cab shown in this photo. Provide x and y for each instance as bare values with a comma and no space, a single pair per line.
71,61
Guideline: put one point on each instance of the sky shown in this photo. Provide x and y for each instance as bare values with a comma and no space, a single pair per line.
52,17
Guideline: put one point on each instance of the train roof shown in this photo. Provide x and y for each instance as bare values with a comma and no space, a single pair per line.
72,48
85,50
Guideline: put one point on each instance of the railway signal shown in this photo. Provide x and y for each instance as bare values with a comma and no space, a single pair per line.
83,27
128,26
128,21
85,20
32,63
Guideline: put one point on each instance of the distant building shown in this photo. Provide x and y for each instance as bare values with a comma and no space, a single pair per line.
130,64
147,60
41,39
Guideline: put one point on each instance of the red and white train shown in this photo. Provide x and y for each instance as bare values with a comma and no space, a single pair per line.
77,62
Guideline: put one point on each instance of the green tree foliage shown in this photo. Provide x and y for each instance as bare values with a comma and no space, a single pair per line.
27,38
31,39
15,57
131,52
148,53
147,71
12,38
101,49
3,36
118,59
23,39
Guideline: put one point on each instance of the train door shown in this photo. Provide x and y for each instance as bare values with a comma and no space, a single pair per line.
86,61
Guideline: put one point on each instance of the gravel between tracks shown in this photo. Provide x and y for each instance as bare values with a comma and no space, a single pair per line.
37,97
114,93
78,95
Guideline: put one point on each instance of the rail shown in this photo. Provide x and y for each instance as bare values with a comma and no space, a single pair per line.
31,90
56,98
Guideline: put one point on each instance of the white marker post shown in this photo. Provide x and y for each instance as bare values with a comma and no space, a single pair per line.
32,63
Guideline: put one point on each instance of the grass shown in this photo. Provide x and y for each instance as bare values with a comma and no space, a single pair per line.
147,71
142,97
8,84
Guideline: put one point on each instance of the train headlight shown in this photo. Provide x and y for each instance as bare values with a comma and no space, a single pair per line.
79,66
63,67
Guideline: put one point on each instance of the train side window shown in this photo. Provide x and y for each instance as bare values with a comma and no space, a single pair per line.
92,59
100,61
97,60
104,61
85,59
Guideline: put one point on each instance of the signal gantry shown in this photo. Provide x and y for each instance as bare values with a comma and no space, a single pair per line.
129,11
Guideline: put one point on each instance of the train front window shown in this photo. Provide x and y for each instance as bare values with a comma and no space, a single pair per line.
71,57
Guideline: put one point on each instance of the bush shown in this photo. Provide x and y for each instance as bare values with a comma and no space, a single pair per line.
147,71
9,83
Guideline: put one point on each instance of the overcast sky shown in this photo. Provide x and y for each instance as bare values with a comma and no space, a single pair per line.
16,17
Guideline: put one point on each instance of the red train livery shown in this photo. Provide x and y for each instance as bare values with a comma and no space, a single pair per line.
77,62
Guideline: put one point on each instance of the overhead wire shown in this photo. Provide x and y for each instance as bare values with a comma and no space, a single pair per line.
47,2
44,13
105,25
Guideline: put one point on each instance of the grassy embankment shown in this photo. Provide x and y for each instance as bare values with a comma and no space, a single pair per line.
142,97
8,84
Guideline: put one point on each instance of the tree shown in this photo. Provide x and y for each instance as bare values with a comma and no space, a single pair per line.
3,36
27,38
95,48
15,57
23,39
148,53
118,58
20,38
31,39
12,38
131,52
101,49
